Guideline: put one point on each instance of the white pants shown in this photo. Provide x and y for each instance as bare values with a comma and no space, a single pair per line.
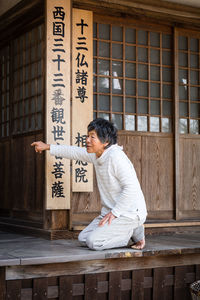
117,234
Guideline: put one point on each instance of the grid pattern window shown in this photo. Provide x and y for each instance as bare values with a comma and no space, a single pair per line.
4,92
189,84
28,81
133,77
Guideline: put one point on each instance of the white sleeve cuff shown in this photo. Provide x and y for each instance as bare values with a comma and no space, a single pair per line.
115,213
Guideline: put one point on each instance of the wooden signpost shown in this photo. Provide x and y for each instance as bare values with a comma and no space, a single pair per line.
58,87
58,43
82,94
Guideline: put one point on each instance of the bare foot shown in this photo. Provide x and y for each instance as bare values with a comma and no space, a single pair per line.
139,245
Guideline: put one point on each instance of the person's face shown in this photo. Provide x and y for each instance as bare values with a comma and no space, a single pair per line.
94,145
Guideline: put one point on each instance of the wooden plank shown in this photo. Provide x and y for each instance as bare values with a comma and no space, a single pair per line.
10,19
157,180
5,177
65,287
59,219
40,177
126,289
102,282
89,203
13,289
152,225
101,266
20,171
90,286
53,281
27,283
189,177
133,148
82,94
197,272
176,127
17,155
138,284
115,285
23,162
126,285
162,13
148,283
190,214
53,292
78,286
2,284
58,45
163,283
188,32
163,215
174,224
40,288
83,218
26,294
102,287
181,288
28,167
78,289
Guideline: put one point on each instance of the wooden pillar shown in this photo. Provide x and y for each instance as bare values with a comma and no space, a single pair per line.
176,125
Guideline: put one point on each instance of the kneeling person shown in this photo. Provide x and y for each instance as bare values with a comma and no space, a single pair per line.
123,211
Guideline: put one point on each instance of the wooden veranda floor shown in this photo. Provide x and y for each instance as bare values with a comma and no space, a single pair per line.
17,249
31,267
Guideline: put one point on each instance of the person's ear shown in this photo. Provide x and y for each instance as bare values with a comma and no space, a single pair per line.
105,145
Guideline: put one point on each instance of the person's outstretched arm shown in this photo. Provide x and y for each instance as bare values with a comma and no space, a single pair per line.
70,152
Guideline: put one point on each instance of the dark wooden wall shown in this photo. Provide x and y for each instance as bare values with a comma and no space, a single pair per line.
22,179
169,283
153,159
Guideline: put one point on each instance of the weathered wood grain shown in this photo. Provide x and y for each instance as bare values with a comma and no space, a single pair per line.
65,287
40,289
157,173
2,283
189,191
163,283
115,285
90,286
181,288
13,289
99,266
138,284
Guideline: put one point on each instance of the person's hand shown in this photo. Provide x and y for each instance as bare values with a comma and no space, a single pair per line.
107,218
40,146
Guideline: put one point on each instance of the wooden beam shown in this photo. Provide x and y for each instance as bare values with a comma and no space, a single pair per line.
100,266
23,7
177,224
20,17
162,10
155,225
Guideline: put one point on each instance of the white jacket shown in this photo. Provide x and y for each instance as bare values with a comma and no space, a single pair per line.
119,188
